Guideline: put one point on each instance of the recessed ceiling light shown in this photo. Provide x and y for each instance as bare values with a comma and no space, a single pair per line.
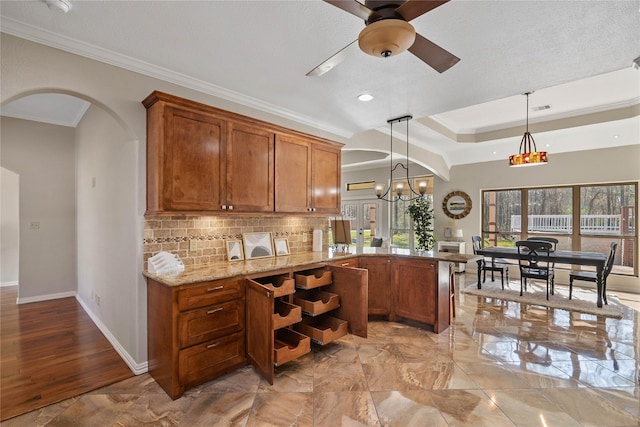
616,136
495,152
365,97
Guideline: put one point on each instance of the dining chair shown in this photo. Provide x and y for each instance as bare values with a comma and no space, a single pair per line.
492,265
532,266
546,239
590,276
551,240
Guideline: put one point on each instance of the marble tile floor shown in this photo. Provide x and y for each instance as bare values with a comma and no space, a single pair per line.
499,364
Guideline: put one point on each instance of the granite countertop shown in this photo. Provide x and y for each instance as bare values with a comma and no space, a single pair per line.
226,269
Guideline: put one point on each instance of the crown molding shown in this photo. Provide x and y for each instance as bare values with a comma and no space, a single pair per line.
68,44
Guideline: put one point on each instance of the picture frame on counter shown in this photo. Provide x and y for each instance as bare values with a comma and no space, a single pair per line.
235,250
281,245
258,245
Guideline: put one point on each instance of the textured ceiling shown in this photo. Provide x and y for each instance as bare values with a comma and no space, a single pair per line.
258,52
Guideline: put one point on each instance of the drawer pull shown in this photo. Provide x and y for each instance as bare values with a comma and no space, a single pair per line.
344,264
214,310
213,345
217,288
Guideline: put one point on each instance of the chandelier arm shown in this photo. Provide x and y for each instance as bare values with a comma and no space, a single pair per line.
532,141
407,169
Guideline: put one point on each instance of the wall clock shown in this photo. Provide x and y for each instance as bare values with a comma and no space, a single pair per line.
456,204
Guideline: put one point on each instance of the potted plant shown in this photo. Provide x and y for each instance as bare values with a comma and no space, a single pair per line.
421,213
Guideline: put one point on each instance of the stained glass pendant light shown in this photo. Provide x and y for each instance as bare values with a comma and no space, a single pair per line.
528,154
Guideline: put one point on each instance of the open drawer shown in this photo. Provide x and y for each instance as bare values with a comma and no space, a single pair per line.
285,314
322,330
316,302
279,285
288,345
312,278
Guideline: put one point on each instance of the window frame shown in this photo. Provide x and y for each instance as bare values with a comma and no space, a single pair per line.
491,234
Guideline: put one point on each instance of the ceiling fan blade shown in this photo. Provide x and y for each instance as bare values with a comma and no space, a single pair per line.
412,9
354,8
335,59
432,54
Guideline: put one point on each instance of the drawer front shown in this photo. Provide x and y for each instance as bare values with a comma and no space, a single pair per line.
349,263
206,361
208,293
210,322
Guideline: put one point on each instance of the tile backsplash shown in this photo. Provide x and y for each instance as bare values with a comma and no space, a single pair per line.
174,234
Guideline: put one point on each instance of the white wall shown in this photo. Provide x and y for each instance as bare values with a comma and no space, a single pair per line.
44,157
107,238
9,229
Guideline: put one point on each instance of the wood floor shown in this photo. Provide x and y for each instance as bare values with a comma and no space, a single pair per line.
50,351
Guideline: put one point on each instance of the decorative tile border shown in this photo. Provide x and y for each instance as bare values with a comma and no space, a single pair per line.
176,235
178,239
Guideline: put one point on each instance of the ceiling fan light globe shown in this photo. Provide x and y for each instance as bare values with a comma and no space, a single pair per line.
386,38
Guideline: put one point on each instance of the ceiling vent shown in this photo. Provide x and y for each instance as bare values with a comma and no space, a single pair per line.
541,107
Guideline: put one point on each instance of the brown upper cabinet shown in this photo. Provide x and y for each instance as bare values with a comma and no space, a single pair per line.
307,176
201,159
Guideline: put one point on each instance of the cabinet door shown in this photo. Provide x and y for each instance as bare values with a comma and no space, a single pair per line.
351,285
325,182
293,174
250,160
259,331
380,284
415,285
194,165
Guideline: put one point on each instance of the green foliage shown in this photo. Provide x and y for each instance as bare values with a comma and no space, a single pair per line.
421,213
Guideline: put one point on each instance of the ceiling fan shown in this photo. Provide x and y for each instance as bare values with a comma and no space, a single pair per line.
388,33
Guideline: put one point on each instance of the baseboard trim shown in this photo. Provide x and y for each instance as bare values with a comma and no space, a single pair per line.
137,368
48,297
3,284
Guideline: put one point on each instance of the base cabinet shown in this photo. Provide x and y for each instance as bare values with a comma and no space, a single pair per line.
422,292
380,284
195,332
326,303
415,296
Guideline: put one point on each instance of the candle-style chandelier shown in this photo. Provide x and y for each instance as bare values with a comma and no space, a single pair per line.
398,193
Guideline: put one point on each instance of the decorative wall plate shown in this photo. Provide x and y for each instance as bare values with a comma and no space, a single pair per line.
456,204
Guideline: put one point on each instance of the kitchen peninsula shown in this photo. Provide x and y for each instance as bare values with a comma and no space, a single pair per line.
211,319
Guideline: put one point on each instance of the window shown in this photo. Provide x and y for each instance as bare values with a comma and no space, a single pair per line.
549,210
401,226
582,217
501,219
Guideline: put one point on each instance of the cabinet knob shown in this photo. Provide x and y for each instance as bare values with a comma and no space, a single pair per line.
230,207
224,207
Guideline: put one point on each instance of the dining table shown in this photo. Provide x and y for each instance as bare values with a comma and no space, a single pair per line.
594,259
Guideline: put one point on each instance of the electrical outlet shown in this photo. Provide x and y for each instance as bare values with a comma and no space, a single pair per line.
34,225
98,300
304,237
193,245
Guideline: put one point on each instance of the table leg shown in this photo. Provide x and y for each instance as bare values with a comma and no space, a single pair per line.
600,287
479,273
